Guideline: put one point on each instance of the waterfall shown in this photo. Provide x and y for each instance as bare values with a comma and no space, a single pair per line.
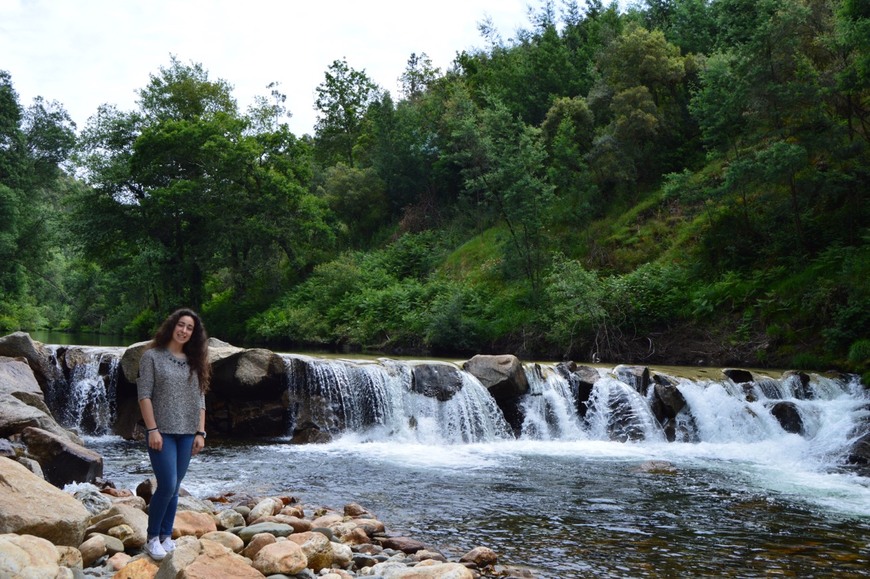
377,401
810,419
85,400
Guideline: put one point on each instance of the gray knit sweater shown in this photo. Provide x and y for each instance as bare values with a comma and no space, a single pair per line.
174,393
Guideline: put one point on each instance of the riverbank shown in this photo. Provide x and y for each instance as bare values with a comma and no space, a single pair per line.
100,533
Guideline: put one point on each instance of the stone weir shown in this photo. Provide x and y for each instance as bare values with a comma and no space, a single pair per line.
51,396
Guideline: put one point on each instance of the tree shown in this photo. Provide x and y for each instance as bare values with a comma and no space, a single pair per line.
504,166
34,142
189,192
419,74
342,100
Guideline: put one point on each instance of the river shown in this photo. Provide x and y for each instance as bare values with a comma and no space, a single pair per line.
734,496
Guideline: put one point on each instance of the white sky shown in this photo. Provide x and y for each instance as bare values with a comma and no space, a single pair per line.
84,53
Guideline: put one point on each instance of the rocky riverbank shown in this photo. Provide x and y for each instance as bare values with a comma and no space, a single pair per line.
99,533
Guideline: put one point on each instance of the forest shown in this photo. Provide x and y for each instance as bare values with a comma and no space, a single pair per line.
681,181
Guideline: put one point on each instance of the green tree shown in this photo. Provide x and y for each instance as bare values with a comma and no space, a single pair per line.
34,143
504,167
186,187
342,101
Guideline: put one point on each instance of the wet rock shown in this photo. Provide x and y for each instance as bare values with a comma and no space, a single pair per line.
480,557
62,460
404,544
503,375
737,375
436,380
637,377
788,416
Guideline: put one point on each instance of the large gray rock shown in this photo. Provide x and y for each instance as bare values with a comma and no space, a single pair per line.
255,374
62,460
503,375
20,345
32,506
637,377
438,380
22,404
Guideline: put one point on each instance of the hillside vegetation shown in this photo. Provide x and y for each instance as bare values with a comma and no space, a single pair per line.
681,182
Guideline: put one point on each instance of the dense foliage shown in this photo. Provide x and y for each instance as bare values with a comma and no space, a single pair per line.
684,181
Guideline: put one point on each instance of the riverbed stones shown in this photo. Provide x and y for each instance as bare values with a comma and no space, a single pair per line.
25,503
126,523
193,523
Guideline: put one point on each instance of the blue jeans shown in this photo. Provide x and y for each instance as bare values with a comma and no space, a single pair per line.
170,465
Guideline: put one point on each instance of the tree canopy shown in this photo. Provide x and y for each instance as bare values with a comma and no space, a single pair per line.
607,180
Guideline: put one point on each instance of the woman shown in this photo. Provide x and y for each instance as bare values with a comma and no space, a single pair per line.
173,379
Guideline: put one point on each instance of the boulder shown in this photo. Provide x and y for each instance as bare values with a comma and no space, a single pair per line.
788,417
62,460
20,345
192,523
274,529
252,374
425,570
22,403
228,540
130,361
23,502
214,561
480,557
282,557
256,543
503,375
439,380
737,375
27,556
403,544
637,377
93,548
143,568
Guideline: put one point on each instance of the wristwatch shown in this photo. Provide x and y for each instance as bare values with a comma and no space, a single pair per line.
200,433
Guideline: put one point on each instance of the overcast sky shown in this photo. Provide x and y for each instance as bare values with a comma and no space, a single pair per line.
84,53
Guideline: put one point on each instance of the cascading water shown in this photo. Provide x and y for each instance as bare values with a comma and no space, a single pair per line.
376,401
86,400
753,483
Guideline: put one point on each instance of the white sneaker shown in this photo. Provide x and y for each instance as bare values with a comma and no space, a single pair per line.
154,549
168,544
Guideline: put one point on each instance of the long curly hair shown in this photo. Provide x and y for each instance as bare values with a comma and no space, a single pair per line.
196,349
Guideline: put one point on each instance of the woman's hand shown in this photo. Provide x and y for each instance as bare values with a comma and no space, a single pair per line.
198,444
155,440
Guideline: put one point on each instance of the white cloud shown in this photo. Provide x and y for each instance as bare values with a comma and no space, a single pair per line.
89,52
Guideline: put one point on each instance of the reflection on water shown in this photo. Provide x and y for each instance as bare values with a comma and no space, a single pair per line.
567,509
